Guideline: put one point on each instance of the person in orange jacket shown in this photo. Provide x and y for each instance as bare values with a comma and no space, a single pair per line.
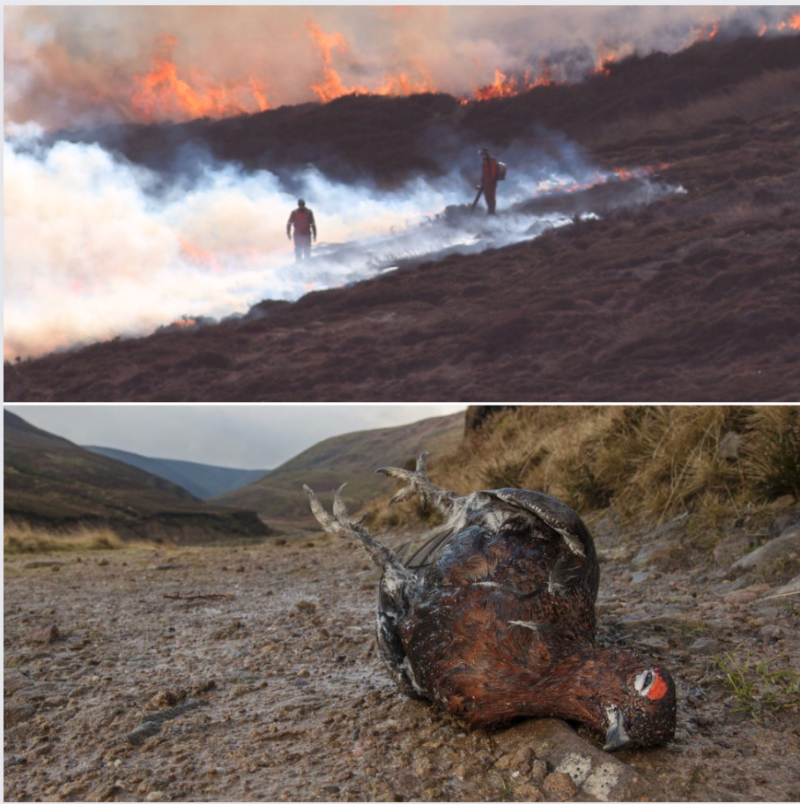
489,180
305,227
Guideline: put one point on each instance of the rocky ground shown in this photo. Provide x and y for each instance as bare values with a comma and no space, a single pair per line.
251,673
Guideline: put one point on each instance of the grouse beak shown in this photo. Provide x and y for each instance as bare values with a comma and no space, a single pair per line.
616,735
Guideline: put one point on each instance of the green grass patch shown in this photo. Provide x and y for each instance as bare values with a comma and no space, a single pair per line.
758,685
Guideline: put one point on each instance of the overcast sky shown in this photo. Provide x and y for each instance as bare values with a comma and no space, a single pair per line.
237,436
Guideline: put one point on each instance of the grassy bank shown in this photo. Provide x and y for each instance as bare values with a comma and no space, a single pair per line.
22,537
643,463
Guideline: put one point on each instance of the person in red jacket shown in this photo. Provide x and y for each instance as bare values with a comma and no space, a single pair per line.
304,228
489,180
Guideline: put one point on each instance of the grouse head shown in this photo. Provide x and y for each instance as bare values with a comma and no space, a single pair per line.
632,700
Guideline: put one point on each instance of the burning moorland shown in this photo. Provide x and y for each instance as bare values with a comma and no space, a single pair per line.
646,246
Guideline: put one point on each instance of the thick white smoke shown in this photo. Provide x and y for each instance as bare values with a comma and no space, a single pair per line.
96,247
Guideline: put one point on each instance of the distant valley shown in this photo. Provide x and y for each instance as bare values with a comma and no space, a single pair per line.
53,484
201,480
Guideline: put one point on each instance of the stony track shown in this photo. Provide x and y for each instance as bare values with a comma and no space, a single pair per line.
251,673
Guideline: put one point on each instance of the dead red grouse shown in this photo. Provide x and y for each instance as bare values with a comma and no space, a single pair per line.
494,619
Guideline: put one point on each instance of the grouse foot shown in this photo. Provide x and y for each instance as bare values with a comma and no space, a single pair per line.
420,484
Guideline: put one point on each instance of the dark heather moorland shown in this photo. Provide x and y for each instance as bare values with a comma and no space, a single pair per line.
691,297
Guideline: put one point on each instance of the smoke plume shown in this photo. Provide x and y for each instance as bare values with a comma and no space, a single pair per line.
68,66
99,247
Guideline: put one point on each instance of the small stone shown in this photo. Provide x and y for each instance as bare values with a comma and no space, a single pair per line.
107,793
142,732
168,697
640,577
785,546
704,719
654,553
538,772
47,635
743,596
388,725
13,714
204,686
527,792
704,645
559,786
156,795
771,633
520,761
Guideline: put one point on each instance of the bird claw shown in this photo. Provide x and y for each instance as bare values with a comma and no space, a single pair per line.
340,524
339,507
337,524
419,484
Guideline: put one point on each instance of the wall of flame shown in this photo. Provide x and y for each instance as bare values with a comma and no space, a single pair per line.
76,66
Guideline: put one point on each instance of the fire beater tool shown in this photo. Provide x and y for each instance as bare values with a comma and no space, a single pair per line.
475,202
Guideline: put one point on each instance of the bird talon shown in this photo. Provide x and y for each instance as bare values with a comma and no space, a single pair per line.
418,483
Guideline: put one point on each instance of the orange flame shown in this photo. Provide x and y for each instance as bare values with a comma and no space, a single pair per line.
793,23
204,259
708,31
503,87
333,87
401,84
604,58
507,87
184,323
161,91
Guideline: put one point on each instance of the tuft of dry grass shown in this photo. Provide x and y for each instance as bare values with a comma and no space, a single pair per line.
22,537
773,457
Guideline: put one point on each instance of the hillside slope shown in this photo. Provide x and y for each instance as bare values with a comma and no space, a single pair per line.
352,459
51,482
392,138
692,297
201,480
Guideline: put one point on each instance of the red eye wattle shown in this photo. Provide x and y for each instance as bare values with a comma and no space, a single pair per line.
658,689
